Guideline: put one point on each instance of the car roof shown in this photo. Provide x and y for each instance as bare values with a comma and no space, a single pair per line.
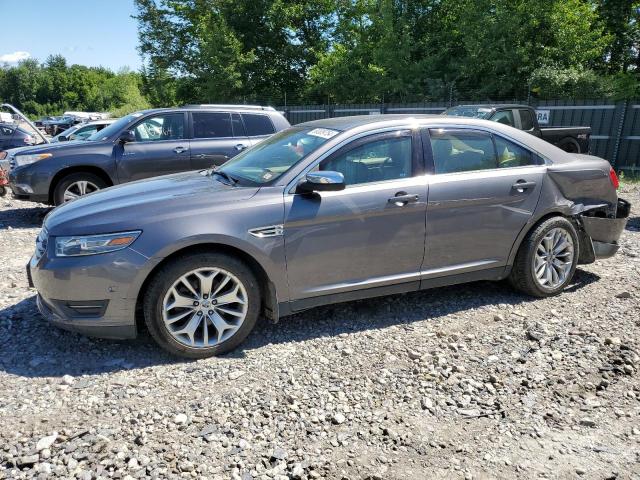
364,123
213,107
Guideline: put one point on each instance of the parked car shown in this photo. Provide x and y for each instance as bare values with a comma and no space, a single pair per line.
523,117
324,212
12,136
82,131
62,123
140,145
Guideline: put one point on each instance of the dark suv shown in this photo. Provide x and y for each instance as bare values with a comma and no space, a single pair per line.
143,144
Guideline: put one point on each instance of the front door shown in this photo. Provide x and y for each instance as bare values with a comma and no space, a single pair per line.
484,190
160,148
371,234
217,137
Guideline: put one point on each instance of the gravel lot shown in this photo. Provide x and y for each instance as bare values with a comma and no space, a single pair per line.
472,381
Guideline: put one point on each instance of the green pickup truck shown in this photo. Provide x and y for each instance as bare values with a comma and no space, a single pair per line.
523,117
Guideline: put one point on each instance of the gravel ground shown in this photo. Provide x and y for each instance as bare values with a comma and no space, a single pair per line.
472,381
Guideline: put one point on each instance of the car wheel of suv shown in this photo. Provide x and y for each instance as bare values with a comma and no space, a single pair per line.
76,185
202,304
547,258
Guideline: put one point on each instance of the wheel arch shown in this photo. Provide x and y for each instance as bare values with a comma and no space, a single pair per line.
268,294
531,226
78,169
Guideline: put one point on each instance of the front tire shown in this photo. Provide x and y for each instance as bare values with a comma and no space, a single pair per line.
76,185
547,259
200,305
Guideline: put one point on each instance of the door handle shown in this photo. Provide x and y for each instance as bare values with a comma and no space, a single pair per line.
403,198
522,185
180,149
201,155
241,146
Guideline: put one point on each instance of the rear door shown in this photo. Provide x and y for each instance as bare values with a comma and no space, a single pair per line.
160,148
483,191
217,137
258,126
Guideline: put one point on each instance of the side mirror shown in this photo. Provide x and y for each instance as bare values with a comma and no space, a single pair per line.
127,136
321,182
62,138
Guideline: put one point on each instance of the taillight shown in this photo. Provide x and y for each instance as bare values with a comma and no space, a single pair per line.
614,178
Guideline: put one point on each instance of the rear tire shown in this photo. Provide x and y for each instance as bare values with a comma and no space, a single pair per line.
547,258
211,277
76,185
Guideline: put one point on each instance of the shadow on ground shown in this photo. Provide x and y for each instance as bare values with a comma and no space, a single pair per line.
23,217
31,347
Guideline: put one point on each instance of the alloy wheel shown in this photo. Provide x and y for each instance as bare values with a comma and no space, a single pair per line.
204,307
553,258
78,189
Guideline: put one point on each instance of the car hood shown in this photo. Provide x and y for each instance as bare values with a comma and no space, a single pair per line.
128,206
54,147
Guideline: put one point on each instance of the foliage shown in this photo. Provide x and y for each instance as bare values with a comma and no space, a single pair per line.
53,87
339,51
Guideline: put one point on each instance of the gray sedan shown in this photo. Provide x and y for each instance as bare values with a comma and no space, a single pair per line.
324,212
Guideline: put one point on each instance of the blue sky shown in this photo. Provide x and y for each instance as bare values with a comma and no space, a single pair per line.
87,32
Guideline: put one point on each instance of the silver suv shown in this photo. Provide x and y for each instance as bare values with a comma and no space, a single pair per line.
324,212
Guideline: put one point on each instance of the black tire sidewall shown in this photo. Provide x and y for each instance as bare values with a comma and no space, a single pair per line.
169,273
534,240
61,186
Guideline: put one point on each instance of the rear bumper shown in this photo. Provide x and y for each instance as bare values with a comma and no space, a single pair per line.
604,233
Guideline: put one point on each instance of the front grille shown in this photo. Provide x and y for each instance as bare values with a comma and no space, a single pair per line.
41,244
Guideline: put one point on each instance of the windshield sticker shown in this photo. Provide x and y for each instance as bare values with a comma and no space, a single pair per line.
323,133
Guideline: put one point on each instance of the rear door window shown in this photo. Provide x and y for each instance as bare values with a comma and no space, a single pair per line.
257,125
526,120
462,150
212,125
505,117
512,155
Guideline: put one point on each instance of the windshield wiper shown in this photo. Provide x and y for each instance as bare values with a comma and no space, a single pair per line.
224,175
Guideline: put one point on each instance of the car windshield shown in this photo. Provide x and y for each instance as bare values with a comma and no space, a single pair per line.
469,111
66,133
114,128
273,157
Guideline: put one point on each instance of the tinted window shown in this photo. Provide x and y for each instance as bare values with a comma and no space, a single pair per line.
257,124
512,155
238,127
378,160
6,130
505,117
160,127
462,150
526,119
212,125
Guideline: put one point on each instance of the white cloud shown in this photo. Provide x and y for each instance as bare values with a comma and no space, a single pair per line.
14,57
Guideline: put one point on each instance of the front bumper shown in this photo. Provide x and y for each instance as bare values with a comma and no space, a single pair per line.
604,233
95,295
29,185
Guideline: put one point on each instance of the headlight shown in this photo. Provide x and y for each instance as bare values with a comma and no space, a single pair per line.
27,159
94,244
